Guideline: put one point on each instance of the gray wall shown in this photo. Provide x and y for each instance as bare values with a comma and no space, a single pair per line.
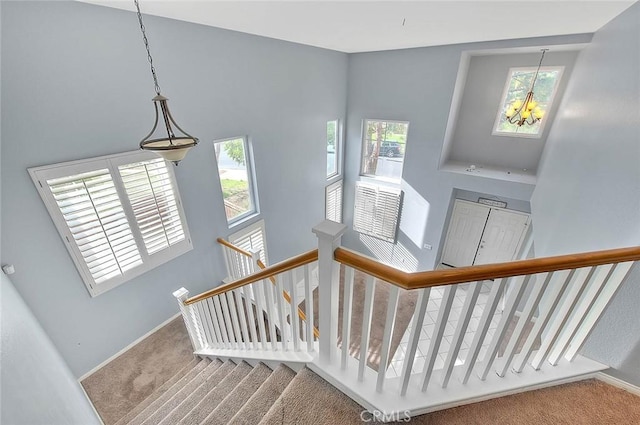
76,84
588,192
417,85
37,386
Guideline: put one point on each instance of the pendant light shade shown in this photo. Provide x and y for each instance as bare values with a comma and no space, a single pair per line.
166,139
163,139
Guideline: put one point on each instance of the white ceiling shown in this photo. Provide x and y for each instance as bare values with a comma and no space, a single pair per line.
363,26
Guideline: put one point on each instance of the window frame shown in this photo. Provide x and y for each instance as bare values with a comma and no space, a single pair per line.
251,179
389,180
505,92
338,151
41,174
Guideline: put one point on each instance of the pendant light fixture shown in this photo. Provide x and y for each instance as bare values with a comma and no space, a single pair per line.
163,140
526,111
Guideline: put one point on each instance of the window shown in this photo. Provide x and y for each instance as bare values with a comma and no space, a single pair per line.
334,149
252,238
377,211
383,148
516,88
333,202
236,178
119,215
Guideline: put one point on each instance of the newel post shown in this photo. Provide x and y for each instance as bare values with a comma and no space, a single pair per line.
329,234
191,321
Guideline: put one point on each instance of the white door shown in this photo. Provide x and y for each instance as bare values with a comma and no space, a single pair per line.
465,231
502,236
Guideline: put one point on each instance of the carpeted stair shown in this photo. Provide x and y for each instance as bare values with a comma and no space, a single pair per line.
212,392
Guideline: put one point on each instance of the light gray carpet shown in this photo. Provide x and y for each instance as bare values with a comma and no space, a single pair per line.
129,379
262,400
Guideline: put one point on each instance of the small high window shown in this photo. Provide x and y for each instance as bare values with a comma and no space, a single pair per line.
236,178
516,88
334,149
383,148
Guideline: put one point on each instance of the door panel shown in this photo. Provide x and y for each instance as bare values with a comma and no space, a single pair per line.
465,231
502,236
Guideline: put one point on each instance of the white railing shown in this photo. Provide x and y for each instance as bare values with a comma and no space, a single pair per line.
459,345
261,316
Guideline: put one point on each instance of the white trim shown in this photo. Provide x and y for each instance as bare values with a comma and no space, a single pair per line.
617,382
91,403
128,347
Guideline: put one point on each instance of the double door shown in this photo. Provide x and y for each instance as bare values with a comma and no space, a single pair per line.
479,234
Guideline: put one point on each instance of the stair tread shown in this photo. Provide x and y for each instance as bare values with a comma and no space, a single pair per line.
216,395
178,396
158,392
309,399
238,396
261,401
162,398
194,398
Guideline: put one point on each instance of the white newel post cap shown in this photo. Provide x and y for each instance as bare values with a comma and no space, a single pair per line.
329,230
181,294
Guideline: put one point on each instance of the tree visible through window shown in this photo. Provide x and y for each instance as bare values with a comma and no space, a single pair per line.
383,148
517,87
235,178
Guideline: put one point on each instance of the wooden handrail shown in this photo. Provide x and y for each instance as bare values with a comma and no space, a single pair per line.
269,272
285,294
429,279
233,247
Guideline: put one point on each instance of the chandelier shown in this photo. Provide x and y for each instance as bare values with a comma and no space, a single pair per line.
526,111
163,140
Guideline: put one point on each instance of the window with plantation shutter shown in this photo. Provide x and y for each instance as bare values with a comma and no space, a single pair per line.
377,211
251,238
119,215
150,191
333,202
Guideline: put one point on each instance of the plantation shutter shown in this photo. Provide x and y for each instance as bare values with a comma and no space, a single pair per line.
119,215
377,211
251,238
151,195
93,213
333,202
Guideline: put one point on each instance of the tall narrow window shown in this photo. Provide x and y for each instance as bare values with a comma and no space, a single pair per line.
516,88
236,178
333,149
119,215
383,148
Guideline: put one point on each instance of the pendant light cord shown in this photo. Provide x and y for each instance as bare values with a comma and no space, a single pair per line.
146,45
535,78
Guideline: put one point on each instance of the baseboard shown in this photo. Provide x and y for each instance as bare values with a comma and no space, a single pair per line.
619,383
91,404
128,347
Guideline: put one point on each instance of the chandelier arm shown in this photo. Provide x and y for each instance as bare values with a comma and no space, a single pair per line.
167,122
178,127
155,125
